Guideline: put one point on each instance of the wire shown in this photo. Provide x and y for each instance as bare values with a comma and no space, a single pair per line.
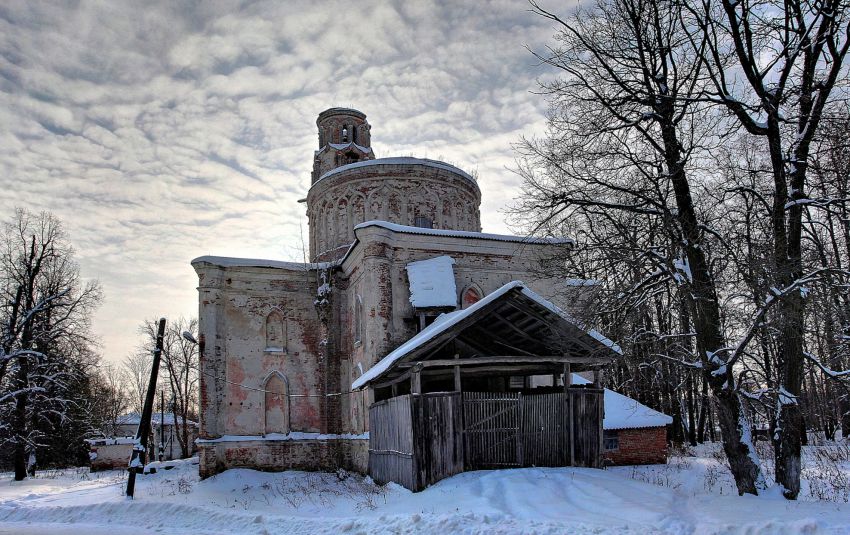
256,389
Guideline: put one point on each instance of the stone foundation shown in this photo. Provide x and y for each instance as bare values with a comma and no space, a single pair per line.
278,455
639,446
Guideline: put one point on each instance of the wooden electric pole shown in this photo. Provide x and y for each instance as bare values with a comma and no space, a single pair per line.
137,461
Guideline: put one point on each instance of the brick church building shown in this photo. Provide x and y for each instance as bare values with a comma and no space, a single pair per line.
394,242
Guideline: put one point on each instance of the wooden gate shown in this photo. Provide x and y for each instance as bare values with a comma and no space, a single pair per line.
491,432
391,442
587,411
510,429
415,440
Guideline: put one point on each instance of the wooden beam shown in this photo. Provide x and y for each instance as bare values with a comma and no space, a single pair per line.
416,380
568,378
493,370
506,359
456,370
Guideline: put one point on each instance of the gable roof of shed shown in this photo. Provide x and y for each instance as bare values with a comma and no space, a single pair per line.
559,333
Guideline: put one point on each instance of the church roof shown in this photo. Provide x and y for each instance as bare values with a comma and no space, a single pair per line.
547,334
407,160
406,229
226,261
341,111
345,146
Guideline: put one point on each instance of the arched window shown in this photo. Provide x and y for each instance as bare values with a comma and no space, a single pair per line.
276,404
276,334
358,319
470,296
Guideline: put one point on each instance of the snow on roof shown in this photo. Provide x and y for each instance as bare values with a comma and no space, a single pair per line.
406,160
343,146
445,321
622,412
581,282
432,282
134,418
461,233
226,261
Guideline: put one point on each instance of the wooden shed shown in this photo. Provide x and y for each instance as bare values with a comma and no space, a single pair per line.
459,395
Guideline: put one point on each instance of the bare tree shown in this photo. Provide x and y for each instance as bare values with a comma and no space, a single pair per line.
180,359
773,65
109,398
135,374
45,321
627,131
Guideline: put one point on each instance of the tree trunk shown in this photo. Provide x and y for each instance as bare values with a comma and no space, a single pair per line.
20,423
735,432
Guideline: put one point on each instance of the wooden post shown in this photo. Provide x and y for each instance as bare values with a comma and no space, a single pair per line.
457,375
568,381
597,378
137,461
416,380
394,388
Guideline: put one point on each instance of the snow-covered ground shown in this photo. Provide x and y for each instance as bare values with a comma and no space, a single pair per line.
691,495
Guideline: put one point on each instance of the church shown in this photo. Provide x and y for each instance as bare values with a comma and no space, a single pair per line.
293,355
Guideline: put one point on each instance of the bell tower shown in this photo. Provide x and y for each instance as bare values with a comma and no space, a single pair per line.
344,138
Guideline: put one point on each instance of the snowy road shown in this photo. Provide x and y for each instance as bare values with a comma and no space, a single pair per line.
532,500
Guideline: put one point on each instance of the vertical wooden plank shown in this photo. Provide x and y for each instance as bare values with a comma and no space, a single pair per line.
571,401
416,380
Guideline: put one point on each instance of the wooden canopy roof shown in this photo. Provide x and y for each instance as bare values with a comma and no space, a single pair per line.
511,331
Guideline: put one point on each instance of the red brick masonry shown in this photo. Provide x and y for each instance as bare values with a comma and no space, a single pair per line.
274,456
647,445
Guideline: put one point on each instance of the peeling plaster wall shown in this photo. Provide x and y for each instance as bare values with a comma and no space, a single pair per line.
234,305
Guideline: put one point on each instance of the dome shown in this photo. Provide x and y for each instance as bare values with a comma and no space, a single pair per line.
406,191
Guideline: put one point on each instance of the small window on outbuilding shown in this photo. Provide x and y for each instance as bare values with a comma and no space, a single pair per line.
611,440
423,222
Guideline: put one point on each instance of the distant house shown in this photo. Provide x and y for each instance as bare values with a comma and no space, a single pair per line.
162,430
632,432
114,452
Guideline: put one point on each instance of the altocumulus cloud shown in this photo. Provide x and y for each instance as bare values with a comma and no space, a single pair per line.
163,131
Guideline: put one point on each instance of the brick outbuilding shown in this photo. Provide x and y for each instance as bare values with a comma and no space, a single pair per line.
632,432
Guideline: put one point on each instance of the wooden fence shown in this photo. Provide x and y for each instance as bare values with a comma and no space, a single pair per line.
417,440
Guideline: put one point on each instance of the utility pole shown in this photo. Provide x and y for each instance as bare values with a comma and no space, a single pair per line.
161,425
137,461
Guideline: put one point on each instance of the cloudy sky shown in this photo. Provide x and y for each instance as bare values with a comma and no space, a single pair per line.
162,131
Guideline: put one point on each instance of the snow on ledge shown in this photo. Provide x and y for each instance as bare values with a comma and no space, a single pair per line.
432,282
110,441
278,437
406,229
406,160
226,261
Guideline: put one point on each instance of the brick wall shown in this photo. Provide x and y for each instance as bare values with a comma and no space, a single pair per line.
640,446
276,456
